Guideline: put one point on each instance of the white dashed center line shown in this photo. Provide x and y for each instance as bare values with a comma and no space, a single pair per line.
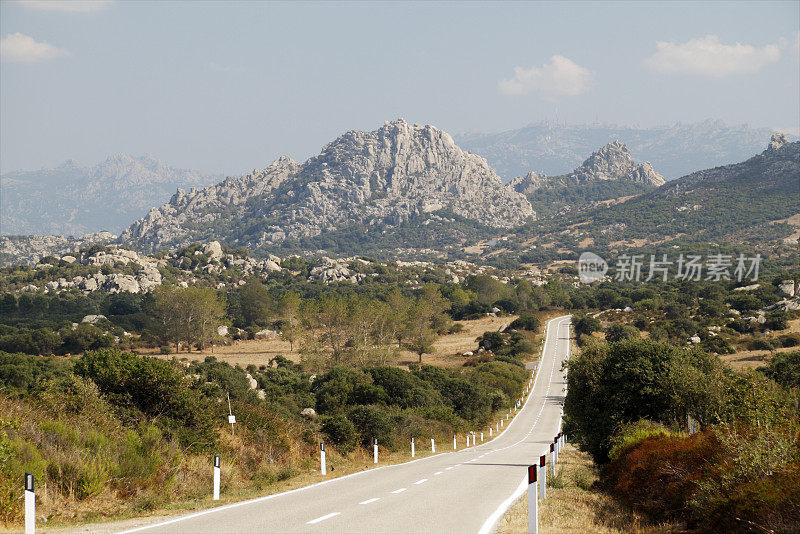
323,518
418,482
370,500
448,468
438,473
401,490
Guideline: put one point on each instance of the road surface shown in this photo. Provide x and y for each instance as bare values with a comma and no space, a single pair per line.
452,492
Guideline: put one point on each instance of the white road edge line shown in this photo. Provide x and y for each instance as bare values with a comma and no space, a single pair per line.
491,521
368,501
323,518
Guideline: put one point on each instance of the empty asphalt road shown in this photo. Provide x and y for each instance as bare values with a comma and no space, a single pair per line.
466,491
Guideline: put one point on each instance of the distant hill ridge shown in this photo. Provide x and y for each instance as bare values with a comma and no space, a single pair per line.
72,199
555,149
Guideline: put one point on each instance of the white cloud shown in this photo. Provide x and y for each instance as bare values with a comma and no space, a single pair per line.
20,48
707,56
69,6
560,77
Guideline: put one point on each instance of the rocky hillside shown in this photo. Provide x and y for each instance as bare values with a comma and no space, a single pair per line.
72,199
399,173
674,150
608,173
749,201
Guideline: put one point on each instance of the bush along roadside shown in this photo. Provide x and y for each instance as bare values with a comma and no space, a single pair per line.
632,403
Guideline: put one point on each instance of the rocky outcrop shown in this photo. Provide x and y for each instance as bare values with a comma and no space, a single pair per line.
388,176
28,250
613,162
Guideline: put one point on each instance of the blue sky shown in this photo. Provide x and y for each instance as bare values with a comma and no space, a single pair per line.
230,87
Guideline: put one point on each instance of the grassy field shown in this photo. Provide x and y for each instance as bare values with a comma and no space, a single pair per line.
449,348
574,505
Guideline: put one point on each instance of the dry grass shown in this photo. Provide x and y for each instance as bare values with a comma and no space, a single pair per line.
574,505
449,348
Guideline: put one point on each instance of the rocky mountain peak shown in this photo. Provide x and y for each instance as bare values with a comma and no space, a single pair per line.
386,176
777,141
614,162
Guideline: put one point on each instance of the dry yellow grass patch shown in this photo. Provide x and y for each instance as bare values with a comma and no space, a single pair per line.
449,348
575,506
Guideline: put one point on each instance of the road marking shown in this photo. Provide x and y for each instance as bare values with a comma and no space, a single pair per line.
448,468
422,480
457,465
368,501
438,473
491,521
401,490
323,518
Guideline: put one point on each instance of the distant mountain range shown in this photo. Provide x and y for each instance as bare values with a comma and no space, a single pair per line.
383,178
555,149
736,203
72,199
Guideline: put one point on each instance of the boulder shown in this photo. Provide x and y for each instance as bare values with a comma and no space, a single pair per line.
309,413
92,319
213,250
787,288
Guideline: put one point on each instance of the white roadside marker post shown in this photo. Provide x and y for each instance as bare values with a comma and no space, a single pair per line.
552,460
433,445
555,447
323,468
533,501
501,422
215,495
481,436
542,477
490,432
375,450
412,447
498,427
231,417
30,505
455,446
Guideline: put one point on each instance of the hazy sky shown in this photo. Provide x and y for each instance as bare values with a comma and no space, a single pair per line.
229,87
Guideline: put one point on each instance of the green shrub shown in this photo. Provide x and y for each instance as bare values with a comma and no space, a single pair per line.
340,431
525,321
632,433
154,387
371,422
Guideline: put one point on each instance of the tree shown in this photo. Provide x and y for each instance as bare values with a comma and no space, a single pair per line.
618,332
289,307
186,314
255,303
397,315
586,324
419,321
